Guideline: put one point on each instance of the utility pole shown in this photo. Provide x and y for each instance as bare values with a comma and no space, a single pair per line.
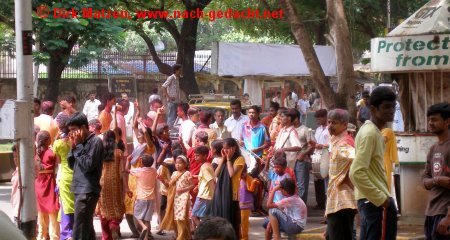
388,25
24,60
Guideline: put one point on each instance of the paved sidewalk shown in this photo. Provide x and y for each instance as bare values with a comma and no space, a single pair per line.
408,228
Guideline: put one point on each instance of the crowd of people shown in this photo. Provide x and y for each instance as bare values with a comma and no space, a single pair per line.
223,167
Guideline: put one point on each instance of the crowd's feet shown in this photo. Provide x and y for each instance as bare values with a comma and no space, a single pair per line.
259,213
161,233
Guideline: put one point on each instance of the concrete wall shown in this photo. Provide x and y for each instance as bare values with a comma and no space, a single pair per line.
80,88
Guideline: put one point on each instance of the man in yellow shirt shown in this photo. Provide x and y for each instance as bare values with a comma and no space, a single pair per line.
367,171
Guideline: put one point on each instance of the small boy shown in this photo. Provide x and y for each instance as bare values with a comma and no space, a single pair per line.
201,139
247,188
145,196
279,172
164,148
289,214
206,184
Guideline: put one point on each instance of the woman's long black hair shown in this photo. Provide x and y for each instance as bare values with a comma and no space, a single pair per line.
231,142
109,144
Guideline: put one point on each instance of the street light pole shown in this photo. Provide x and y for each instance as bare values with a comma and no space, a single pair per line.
24,60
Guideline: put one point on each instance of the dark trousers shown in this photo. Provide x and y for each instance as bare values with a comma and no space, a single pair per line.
83,227
340,224
431,223
372,220
321,197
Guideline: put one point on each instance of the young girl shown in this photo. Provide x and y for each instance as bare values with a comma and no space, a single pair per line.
178,204
226,195
15,194
110,204
47,200
216,150
247,188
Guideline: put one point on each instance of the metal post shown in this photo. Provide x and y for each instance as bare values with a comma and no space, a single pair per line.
388,15
27,221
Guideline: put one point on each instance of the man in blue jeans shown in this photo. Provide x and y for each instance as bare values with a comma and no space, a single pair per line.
376,207
303,163
86,159
287,215
171,89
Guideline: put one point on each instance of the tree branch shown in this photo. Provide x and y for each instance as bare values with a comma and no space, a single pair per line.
162,67
7,22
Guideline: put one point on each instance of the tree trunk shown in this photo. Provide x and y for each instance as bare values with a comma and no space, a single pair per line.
345,97
319,80
163,68
186,55
56,66
321,30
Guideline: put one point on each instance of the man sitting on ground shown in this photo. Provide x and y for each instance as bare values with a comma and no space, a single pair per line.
289,214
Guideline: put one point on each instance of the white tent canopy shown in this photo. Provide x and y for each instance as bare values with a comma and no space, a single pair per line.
432,18
245,59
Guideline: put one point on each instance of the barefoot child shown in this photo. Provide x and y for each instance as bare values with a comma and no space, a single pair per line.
247,188
45,183
145,196
206,184
178,204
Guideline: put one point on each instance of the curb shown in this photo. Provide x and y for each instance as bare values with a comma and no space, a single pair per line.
316,235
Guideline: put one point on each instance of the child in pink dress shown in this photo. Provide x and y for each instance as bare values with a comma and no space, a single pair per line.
45,183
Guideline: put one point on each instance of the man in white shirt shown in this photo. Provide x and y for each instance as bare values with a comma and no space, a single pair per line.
288,101
90,108
277,98
218,126
398,124
302,107
234,123
322,137
130,114
188,127
171,90
288,140
294,96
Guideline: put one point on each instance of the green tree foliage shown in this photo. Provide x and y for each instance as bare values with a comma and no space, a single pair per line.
184,32
58,36
366,18
7,41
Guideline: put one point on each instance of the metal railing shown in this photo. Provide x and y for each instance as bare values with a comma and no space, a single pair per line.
124,64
